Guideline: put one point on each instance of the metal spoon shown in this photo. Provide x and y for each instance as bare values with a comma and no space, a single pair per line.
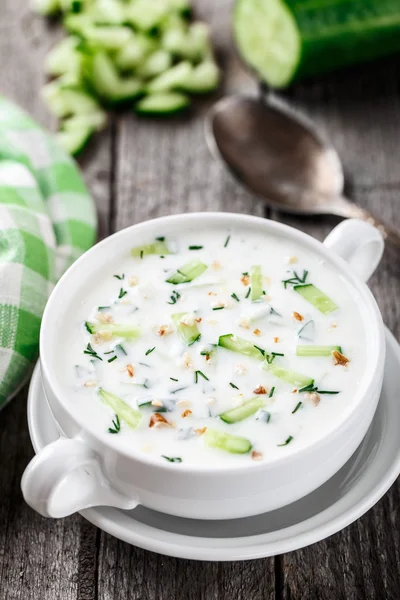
280,156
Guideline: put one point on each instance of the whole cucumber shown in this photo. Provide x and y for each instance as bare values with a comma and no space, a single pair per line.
283,40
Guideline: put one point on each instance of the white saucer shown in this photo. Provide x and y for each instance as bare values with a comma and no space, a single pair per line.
342,500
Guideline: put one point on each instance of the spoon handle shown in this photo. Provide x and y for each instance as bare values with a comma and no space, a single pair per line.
346,208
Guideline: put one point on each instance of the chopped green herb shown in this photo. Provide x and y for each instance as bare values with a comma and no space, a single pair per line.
295,280
120,349
196,376
109,352
117,425
195,247
141,253
312,388
110,360
233,385
150,350
103,308
277,354
122,293
227,241
298,405
245,273
160,239
326,392
248,292
174,297
271,392
172,459
288,440
89,350
178,390
120,276
235,297
173,379
218,307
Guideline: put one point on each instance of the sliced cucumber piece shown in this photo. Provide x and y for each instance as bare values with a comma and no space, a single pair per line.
96,120
47,7
240,345
74,140
107,12
103,77
126,413
239,413
187,272
182,7
297,379
204,78
162,105
235,444
134,52
63,57
305,350
107,38
145,15
191,43
156,63
317,298
171,79
77,23
117,330
157,247
189,333
63,100
256,283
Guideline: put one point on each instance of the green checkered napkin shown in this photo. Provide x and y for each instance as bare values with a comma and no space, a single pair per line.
47,219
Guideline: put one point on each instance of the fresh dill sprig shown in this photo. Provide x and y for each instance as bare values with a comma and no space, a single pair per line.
120,277
196,247
122,293
172,459
117,425
89,350
298,405
295,279
110,360
234,296
227,241
248,292
196,376
174,297
150,350
271,392
287,441
233,385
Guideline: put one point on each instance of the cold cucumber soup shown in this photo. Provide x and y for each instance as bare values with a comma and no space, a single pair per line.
218,347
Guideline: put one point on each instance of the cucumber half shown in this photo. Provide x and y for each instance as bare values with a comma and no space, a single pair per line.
235,444
283,40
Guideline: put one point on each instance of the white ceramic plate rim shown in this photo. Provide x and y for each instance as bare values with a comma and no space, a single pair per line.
316,528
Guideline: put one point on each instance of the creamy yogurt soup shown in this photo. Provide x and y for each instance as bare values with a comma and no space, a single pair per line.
214,347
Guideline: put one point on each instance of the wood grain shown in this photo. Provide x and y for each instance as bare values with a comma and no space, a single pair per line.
141,169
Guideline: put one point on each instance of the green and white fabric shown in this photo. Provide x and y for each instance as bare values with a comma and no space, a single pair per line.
47,219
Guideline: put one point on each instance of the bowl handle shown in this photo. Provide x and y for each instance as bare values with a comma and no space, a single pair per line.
66,477
358,243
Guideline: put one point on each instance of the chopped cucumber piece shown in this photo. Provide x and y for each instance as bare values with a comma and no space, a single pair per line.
182,7
145,15
313,295
134,52
125,413
204,78
296,379
187,272
73,140
240,345
107,12
102,76
171,79
47,7
117,330
63,57
235,444
162,104
109,37
239,413
158,247
63,100
189,333
256,283
156,63
96,120
77,23
305,350
191,44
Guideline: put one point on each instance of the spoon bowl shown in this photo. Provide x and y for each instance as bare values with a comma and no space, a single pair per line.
280,156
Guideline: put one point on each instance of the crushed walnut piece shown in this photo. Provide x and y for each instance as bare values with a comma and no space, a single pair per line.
102,336
158,420
245,279
290,260
216,265
186,361
104,318
133,280
200,431
314,397
260,390
188,319
257,332
276,340
90,383
297,316
130,369
164,330
245,323
156,402
294,391
199,320
255,455
186,413
212,294
340,359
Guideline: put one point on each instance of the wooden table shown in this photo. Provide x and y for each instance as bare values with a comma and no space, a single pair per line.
140,169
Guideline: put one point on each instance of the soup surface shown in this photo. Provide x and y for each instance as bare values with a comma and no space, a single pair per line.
214,347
